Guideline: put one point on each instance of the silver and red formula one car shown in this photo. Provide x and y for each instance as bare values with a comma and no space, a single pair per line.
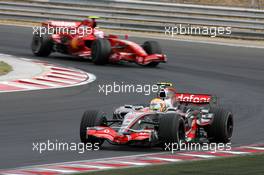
170,118
84,39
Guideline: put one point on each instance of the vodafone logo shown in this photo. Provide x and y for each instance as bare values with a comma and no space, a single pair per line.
192,98
106,131
143,134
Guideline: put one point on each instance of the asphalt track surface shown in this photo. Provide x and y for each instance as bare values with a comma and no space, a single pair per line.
235,74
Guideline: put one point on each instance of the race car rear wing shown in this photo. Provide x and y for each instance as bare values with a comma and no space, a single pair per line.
196,98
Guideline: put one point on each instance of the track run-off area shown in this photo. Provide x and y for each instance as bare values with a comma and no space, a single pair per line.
234,74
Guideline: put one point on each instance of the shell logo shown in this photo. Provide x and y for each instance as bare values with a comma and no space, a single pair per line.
106,131
74,43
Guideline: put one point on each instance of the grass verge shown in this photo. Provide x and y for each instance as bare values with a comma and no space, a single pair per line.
243,165
4,68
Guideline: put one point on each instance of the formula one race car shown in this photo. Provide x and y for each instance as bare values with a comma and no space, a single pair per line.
83,39
170,118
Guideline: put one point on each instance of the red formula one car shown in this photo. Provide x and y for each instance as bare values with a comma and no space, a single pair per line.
170,118
83,39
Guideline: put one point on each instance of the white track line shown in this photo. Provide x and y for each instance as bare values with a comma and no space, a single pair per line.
235,152
254,147
20,85
56,80
88,166
57,170
65,76
131,162
39,82
15,173
62,68
198,155
165,159
69,73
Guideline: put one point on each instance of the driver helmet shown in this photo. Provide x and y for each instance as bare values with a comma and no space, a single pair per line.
98,33
157,104
166,93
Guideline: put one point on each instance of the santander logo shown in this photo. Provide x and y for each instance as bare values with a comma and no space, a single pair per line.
62,23
194,98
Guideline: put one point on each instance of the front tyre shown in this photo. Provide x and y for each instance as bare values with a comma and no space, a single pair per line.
171,129
41,45
152,47
221,129
91,119
101,49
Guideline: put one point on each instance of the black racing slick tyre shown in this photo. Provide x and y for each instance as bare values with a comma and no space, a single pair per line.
220,131
41,45
171,129
101,50
90,119
152,47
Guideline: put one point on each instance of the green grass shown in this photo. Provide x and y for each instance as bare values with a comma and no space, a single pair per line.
243,165
4,68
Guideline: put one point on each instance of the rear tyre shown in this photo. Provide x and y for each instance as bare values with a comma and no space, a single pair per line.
41,45
101,49
90,119
152,47
171,130
221,129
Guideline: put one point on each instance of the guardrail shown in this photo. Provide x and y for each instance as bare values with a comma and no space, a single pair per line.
138,15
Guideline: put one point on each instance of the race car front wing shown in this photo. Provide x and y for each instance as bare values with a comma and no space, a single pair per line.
112,135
